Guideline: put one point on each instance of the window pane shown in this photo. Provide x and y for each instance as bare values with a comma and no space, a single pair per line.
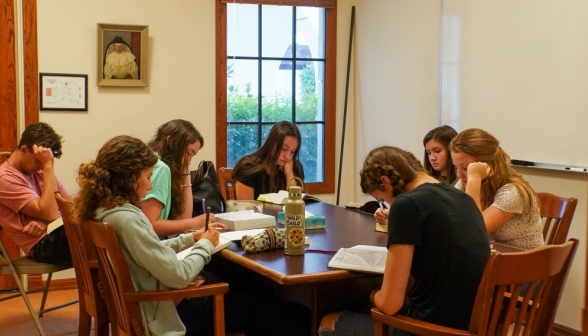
242,140
312,152
310,92
276,96
242,27
310,32
276,30
242,90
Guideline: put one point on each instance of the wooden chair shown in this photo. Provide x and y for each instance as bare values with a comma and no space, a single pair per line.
226,183
557,213
121,295
544,270
92,304
27,266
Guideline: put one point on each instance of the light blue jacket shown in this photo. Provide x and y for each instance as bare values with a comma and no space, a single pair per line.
154,266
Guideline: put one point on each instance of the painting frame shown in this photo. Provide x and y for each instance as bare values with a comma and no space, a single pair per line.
63,92
130,67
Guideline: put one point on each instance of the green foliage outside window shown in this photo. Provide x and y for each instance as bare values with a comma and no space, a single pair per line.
243,106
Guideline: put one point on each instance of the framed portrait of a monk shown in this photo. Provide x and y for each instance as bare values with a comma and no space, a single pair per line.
123,55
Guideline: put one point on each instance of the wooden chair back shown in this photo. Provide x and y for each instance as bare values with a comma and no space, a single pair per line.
536,277
83,254
557,214
121,294
226,183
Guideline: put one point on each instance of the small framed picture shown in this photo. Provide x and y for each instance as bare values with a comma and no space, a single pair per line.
63,92
123,55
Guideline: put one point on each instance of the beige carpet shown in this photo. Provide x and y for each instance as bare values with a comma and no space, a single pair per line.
15,318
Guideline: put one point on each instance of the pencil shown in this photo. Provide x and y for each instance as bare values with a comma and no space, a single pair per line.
207,219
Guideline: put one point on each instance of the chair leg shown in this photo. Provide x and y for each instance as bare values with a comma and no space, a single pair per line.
381,329
219,315
44,297
27,302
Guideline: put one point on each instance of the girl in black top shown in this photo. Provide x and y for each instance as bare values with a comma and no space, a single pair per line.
272,166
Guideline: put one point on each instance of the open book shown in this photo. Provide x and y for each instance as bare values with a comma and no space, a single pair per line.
364,258
222,243
245,220
282,196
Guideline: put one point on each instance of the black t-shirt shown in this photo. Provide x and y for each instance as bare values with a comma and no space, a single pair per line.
261,183
451,249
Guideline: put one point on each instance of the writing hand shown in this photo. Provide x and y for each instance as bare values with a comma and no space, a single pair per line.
381,216
35,228
479,170
212,235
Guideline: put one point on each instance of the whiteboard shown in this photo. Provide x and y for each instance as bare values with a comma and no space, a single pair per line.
519,70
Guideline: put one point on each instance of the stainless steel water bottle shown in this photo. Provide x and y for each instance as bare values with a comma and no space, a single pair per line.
294,222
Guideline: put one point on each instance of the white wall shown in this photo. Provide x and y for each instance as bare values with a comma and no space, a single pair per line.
397,75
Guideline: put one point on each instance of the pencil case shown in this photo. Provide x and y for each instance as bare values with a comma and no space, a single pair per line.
268,239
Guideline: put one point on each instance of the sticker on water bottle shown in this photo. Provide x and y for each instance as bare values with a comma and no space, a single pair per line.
294,220
296,236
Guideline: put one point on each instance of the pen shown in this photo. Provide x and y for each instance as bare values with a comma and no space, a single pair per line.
207,219
382,207
203,205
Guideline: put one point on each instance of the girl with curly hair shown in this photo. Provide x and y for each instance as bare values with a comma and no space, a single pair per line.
111,189
436,235
169,204
272,166
508,203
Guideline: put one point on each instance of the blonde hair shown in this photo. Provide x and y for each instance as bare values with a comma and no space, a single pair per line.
485,148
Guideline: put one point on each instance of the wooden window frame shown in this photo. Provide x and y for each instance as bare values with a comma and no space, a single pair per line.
328,185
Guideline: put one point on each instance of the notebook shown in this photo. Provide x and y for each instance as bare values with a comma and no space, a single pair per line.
222,243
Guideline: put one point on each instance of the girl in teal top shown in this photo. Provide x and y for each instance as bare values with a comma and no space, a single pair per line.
168,206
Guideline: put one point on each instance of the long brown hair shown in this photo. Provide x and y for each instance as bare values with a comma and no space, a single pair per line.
111,179
485,148
443,134
266,157
400,166
171,143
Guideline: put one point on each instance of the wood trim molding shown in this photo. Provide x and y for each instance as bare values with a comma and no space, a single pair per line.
30,59
562,330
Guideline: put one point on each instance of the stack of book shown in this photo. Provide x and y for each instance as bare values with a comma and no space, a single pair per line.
245,220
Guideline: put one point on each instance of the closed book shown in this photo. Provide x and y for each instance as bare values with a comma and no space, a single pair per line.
222,243
363,258
245,220
282,196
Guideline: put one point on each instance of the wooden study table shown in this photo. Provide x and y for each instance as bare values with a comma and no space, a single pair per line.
344,228
326,290
307,276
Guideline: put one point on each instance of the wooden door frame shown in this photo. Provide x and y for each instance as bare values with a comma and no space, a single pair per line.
9,93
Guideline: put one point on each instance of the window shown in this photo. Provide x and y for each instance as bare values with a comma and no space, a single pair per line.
276,61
